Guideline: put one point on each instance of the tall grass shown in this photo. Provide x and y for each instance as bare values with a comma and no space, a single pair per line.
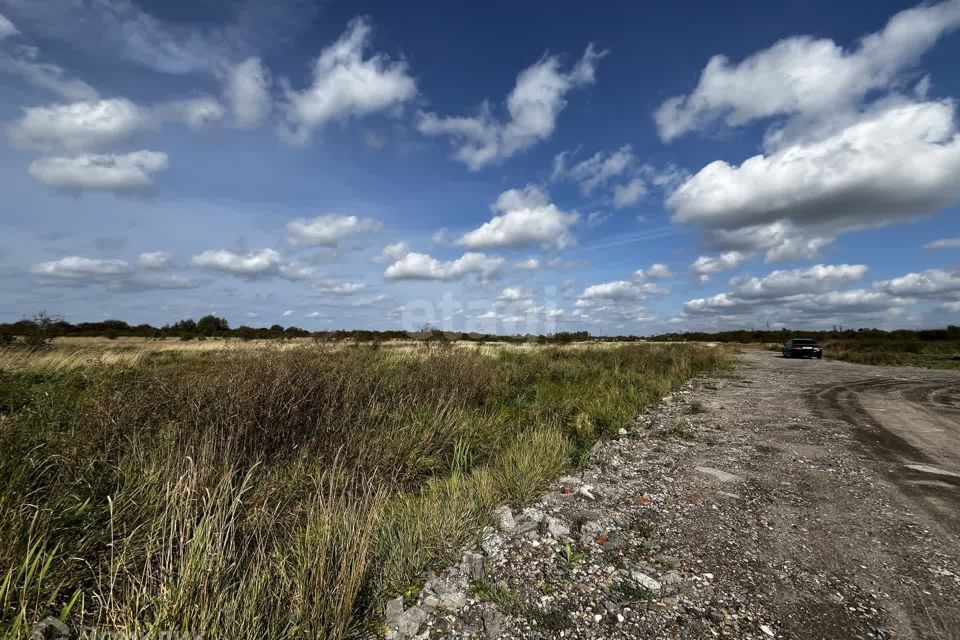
284,492
943,354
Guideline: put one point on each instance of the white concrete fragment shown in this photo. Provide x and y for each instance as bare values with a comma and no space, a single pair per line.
722,476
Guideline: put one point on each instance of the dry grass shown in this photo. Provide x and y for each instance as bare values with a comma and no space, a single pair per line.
260,491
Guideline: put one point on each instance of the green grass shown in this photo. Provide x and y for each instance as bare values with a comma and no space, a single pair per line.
285,493
914,353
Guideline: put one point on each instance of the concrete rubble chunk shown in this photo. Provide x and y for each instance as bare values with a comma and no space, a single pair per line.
393,610
449,592
556,528
645,581
472,565
408,625
505,521
492,623
717,474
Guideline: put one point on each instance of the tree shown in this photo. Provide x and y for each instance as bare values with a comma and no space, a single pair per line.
210,325
41,330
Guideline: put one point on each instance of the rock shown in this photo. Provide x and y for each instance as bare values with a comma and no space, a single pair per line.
622,431
590,530
671,579
393,610
492,622
472,565
645,581
556,528
492,546
450,594
767,631
526,527
408,625
505,519
532,515
587,492
722,476
453,601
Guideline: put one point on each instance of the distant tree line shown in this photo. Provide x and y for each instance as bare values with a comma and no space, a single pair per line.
951,333
42,328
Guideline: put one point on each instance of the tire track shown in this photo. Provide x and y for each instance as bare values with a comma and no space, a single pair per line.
892,417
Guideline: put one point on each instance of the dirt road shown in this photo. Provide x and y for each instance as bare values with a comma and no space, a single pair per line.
792,499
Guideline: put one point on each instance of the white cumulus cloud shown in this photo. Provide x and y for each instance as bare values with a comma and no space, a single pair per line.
79,126
118,173
251,265
804,75
657,271
896,163
420,266
943,243
526,216
339,288
533,106
705,265
393,252
932,283
155,260
819,278
328,230
80,268
346,84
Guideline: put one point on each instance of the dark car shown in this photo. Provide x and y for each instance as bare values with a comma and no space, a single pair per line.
802,348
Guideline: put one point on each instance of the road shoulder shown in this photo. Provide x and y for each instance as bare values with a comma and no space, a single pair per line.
731,509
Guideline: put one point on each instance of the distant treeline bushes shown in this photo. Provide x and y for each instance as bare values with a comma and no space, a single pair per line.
42,327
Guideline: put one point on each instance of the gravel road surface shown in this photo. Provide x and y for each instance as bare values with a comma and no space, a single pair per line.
789,499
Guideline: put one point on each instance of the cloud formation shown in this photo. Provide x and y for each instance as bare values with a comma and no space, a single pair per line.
533,107
79,126
155,260
7,28
898,162
420,266
526,217
819,278
251,265
943,243
806,76
80,268
703,266
328,230
117,173
345,85
932,283
247,91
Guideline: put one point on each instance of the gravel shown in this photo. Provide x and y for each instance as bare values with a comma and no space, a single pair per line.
738,507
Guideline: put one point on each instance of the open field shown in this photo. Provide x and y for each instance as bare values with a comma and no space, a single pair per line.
890,352
254,490
932,355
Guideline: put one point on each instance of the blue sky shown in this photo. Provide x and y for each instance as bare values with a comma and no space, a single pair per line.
495,167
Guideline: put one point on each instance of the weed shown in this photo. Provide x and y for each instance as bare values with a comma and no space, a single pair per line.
571,557
231,489
696,407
